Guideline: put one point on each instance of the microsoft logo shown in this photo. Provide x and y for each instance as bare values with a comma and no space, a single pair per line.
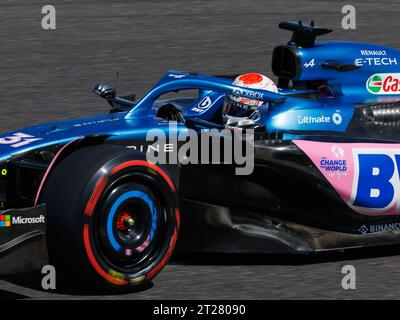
5,221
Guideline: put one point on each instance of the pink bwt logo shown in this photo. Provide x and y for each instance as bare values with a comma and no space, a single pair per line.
366,175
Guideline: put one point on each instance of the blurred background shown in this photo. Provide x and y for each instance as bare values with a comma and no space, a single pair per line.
49,75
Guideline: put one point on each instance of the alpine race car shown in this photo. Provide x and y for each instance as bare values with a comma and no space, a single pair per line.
84,195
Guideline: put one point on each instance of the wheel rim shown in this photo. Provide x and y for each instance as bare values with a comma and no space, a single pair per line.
130,228
132,221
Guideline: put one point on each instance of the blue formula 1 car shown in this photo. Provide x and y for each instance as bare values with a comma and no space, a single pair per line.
85,195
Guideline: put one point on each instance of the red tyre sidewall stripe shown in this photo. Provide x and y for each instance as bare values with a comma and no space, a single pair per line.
98,189
145,164
178,218
93,261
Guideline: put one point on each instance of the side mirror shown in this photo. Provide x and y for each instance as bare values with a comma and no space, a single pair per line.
106,91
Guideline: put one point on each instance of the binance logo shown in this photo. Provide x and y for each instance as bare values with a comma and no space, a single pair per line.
5,221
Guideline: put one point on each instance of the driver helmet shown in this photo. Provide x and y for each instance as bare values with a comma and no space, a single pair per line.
240,111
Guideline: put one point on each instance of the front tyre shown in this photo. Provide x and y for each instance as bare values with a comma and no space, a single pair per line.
113,217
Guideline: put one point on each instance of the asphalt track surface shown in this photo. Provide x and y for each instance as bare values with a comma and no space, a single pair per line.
49,75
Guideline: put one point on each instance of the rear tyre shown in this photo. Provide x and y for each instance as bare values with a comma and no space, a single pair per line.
113,218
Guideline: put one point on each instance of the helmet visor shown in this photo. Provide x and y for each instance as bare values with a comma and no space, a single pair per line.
237,109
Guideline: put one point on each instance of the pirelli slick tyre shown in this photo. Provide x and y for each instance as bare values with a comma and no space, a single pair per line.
113,217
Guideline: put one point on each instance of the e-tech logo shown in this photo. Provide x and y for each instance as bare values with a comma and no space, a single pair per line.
376,183
5,221
375,62
384,83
